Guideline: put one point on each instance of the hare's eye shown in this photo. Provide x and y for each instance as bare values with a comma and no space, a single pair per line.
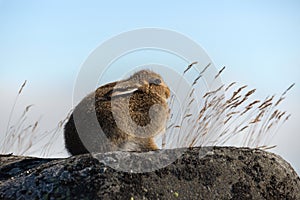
155,81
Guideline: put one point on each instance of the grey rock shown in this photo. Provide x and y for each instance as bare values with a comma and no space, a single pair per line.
196,173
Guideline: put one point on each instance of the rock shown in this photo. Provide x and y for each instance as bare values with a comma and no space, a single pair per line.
198,173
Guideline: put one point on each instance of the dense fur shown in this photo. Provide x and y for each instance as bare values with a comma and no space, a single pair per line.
124,116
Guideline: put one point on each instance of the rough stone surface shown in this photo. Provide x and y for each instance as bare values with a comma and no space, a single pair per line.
198,173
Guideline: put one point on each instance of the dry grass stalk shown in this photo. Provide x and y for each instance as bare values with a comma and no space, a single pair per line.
22,87
195,81
237,92
219,73
24,138
229,86
256,121
189,67
289,88
205,68
12,111
213,92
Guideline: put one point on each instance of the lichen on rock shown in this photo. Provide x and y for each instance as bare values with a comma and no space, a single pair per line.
219,173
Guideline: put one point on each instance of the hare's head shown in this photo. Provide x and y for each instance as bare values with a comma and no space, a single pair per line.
144,80
152,81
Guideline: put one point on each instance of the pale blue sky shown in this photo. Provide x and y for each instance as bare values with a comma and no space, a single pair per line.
45,42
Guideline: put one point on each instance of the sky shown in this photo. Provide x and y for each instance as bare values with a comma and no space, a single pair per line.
47,42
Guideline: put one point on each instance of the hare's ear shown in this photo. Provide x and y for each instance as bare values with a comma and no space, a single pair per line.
121,89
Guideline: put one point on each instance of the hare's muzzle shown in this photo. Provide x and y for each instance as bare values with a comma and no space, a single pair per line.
166,90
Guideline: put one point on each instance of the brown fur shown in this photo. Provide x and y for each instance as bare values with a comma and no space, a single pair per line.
123,110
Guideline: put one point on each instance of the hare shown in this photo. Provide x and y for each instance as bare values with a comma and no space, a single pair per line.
120,116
